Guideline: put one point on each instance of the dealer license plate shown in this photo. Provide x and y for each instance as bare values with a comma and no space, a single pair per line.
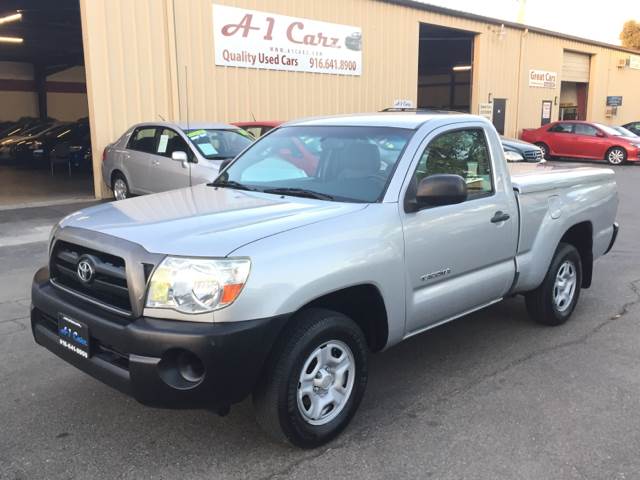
73,335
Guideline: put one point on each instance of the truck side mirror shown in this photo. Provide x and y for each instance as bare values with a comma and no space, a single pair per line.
440,189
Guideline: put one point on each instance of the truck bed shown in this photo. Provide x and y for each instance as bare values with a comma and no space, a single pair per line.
553,199
535,177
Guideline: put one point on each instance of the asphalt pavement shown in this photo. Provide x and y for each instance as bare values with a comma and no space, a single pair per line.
489,396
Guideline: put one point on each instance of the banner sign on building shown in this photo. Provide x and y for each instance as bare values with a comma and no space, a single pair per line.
614,101
543,79
252,39
634,62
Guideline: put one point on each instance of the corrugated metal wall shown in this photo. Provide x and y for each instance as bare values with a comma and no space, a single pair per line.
154,58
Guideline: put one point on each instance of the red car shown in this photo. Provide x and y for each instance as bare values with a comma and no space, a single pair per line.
303,156
257,129
588,140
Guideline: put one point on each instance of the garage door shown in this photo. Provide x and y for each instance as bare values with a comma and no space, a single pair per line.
575,67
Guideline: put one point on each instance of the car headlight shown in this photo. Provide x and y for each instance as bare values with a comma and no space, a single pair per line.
512,156
197,285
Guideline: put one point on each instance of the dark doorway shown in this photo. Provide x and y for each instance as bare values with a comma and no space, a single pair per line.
499,114
445,68
45,152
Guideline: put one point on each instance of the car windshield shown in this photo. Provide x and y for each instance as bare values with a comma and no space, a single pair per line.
608,130
219,144
350,164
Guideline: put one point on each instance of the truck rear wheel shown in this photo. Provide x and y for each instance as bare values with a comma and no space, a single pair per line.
553,302
314,380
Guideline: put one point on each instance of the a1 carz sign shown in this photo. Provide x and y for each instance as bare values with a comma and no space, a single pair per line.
252,39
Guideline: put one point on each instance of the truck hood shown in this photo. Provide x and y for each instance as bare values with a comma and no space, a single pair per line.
203,220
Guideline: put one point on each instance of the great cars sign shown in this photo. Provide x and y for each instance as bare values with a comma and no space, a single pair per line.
543,79
252,39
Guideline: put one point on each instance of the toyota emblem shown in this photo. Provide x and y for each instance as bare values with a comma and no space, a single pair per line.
85,270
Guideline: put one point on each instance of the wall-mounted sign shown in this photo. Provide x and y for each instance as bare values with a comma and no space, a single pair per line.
403,103
545,117
252,39
543,79
634,62
614,101
486,110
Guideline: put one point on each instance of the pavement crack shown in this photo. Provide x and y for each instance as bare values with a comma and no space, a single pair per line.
635,288
15,319
418,406
288,469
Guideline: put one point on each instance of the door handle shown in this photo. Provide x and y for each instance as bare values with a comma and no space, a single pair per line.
155,162
500,216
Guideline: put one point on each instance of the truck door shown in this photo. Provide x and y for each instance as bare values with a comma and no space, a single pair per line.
459,257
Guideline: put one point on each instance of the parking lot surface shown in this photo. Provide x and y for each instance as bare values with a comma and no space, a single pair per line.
491,395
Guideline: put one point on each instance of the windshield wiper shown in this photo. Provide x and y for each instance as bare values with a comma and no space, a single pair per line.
232,184
299,192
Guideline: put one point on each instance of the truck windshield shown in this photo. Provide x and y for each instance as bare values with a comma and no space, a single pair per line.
219,144
332,163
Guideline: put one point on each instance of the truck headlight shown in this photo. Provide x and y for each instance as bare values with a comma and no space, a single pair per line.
512,156
197,285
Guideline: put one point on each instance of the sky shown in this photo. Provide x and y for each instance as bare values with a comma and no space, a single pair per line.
600,20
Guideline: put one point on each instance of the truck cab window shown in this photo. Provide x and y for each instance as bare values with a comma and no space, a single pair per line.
460,152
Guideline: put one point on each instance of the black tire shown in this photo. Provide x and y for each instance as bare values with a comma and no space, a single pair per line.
616,156
276,396
545,150
541,304
119,177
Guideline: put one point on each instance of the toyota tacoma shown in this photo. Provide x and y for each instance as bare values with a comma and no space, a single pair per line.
277,282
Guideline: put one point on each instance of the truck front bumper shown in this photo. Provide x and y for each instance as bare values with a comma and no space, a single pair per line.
161,363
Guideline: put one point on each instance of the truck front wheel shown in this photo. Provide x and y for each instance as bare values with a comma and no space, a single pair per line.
314,380
553,302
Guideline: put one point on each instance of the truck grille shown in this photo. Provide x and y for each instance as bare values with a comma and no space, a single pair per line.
533,155
107,281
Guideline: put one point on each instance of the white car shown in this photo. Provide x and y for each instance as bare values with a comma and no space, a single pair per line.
155,157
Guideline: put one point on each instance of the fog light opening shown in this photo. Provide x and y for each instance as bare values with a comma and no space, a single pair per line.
190,367
181,369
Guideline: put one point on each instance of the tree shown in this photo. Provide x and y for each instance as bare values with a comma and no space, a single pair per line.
630,34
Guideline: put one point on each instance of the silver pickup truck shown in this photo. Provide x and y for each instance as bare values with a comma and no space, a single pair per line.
325,240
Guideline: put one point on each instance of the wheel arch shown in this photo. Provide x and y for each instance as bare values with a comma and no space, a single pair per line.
363,304
621,147
580,236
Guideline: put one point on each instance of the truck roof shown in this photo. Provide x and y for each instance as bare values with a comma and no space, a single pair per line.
410,120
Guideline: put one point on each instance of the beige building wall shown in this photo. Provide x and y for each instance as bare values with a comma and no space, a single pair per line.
152,59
